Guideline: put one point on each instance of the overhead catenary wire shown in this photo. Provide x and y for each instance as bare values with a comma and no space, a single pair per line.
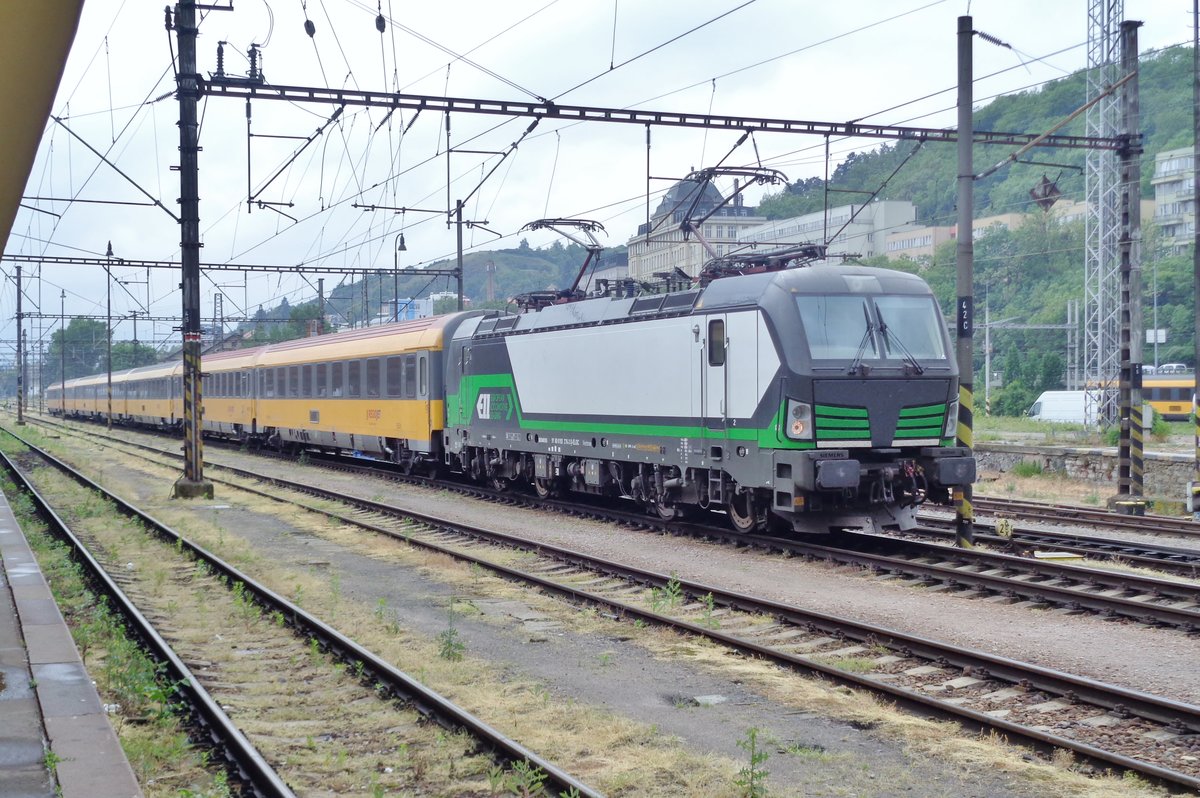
342,188
655,48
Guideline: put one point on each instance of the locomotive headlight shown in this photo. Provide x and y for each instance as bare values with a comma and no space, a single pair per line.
951,420
799,421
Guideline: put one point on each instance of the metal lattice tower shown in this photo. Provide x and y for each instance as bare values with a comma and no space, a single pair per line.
1101,275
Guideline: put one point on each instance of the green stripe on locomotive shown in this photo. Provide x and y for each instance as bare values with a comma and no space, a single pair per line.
832,423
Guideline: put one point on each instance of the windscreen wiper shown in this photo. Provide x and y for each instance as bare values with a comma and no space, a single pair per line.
908,356
856,364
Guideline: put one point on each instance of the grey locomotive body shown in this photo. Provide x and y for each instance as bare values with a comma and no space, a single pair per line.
814,398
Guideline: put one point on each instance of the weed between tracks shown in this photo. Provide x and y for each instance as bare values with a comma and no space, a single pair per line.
151,729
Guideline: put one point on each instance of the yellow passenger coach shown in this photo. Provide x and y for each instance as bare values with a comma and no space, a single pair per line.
377,391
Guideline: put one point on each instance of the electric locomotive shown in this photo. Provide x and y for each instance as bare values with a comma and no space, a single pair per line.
812,399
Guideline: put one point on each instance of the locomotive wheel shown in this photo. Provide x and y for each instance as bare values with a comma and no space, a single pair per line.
741,512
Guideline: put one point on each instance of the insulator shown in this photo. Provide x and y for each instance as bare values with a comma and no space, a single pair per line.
310,28
221,59
253,55
380,24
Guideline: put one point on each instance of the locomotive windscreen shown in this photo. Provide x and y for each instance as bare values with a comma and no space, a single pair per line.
841,327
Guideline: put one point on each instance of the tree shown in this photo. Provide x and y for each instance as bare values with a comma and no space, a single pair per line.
85,345
128,355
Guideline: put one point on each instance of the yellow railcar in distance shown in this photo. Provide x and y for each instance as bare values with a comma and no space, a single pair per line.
86,396
226,392
150,392
376,390
1171,395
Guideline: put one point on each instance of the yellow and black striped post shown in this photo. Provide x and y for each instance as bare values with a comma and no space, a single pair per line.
964,509
964,322
192,484
1193,497
1194,488
1130,465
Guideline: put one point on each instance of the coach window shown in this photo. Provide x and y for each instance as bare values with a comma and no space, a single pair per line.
306,380
394,376
354,378
322,379
293,381
337,378
373,377
423,375
410,376
716,343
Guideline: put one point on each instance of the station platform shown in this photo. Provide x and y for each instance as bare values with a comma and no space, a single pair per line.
50,713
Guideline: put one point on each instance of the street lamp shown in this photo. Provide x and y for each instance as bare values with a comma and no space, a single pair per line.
397,247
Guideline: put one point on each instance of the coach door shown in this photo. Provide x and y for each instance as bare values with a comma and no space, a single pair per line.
713,382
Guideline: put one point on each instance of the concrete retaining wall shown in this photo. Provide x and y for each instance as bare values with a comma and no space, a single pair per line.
1166,475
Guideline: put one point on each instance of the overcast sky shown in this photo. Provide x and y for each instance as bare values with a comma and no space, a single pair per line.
883,61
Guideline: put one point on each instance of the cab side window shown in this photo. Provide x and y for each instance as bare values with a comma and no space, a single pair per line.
716,342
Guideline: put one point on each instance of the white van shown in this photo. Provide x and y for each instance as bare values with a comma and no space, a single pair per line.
1072,407
1064,406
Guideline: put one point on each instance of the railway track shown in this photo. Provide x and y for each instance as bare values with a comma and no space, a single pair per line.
1074,514
376,674
970,573
1110,726
1170,559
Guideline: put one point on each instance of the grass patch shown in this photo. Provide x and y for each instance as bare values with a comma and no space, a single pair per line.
1028,468
853,664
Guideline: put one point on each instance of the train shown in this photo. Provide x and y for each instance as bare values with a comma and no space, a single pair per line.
804,399
1172,394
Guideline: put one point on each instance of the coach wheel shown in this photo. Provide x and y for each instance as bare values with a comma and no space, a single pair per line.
544,488
741,511
501,484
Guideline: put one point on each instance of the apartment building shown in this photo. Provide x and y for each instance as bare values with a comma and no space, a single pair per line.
660,246
860,230
1174,198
